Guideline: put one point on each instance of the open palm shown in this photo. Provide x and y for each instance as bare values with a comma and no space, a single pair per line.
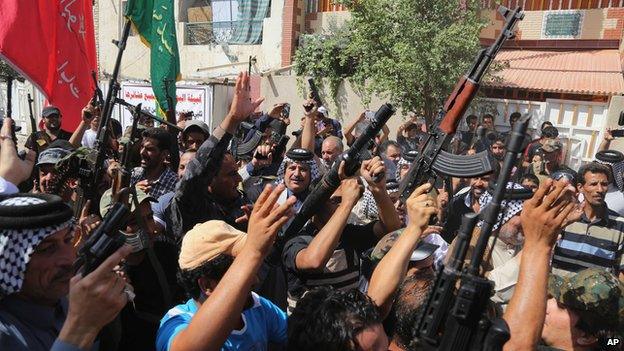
242,105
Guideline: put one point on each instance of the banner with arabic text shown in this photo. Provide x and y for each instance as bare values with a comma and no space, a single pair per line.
52,43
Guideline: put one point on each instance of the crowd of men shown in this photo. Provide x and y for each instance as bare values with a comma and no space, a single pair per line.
206,264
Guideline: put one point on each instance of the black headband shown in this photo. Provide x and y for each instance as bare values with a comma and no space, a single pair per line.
21,211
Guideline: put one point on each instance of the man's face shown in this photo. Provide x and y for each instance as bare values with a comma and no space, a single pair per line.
478,186
329,152
297,177
184,160
511,232
193,139
488,123
393,153
529,184
147,220
373,338
95,123
152,156
48,178
50,268
52,122
412,132
553,158
559,324
472,125
595,188
498,150
225,185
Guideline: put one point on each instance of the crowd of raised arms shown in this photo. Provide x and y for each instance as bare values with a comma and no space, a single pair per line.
206,264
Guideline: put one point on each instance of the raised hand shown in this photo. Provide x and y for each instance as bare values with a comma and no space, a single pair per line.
373,171
242,105
94,301
12,168
545,214
351,191
267,217
421,206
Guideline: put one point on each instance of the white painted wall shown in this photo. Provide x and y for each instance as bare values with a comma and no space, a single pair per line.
136,60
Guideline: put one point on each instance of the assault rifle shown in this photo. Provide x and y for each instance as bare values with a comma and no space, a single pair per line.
434,160
457,320
454,320
105,240
124,172
331,180
102,137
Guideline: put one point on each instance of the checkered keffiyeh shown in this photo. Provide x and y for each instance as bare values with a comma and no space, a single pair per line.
314,170
166,181
618,173
508,208
17,246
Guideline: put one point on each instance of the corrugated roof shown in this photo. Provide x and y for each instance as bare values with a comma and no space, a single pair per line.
593,72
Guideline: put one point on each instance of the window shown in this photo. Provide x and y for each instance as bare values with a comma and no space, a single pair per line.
227,21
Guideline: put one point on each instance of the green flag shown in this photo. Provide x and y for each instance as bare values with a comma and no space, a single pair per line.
155,23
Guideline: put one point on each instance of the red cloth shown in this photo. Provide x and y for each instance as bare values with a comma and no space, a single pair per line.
52,43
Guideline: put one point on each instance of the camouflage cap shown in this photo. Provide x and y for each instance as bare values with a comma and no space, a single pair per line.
107,199
422,251
596,295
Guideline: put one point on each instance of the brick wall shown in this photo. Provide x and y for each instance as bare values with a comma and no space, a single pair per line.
291,29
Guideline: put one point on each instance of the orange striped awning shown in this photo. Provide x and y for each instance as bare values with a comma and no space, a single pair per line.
592,72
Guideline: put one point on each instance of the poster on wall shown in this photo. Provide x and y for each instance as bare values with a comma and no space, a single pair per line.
193,98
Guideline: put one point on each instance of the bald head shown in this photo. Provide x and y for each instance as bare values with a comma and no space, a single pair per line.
331,149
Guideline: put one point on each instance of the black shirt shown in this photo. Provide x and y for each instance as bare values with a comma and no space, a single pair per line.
457,209
44,139
342,271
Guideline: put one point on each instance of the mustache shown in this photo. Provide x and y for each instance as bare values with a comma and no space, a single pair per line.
297,178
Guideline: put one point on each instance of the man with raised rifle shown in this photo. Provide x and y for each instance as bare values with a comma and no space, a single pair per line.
154,176
151,267
326,251
44,306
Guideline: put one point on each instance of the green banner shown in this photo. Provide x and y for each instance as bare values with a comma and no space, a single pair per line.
155,23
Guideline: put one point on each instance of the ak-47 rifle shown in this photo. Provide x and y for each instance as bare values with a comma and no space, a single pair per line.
103,242
455,320
97,92
122,179
331,180
132,108
434,160
170,114
101,141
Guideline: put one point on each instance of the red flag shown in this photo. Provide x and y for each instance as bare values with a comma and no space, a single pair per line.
52,43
